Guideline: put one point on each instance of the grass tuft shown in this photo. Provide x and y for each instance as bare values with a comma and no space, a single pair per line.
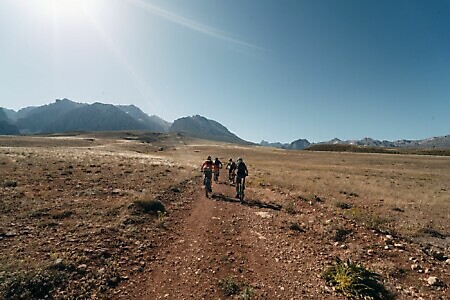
343,205
289,207
354,281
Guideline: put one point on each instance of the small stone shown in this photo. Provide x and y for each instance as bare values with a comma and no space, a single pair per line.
399,245
58,262
448,261
433,281
414,267
370,252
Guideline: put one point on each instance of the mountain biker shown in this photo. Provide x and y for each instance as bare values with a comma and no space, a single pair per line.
207,169
242,172
231,166
216,167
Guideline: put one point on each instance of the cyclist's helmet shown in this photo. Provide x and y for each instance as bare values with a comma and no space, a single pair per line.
240,159
230,159
209,158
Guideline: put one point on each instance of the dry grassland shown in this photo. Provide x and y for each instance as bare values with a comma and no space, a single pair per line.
68,207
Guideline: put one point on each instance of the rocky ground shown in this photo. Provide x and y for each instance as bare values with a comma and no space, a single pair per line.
72,225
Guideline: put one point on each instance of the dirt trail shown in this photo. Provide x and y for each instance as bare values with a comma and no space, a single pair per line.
216,239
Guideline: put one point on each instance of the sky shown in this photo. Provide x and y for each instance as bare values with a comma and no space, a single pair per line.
276,70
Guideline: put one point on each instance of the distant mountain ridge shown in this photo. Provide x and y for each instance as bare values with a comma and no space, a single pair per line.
66,115
299,144
201,127
434,142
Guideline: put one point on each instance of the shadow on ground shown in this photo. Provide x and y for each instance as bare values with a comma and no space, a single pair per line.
247,202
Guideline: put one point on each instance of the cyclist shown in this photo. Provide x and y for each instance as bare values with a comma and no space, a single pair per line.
216,167
207,169
242,172
231,166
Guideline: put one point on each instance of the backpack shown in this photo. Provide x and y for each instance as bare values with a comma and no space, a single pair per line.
241,167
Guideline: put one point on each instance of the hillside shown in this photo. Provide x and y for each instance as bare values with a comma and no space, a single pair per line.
201,127
94,117
152,123
40,118
6,127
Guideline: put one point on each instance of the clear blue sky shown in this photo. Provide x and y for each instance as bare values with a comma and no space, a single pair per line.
276,70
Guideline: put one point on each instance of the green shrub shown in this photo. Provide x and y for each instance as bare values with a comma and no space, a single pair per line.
354,281
9,183
229,286
35,284
149,206
246,293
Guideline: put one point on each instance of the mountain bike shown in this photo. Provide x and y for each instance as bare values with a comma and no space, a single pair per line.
216,175
207,184
240,188
232,176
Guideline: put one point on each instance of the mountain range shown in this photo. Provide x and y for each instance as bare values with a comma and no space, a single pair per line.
65,115
434,142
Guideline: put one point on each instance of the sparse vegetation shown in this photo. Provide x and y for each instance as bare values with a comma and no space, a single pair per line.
289,207
162,217
62,215
229,286
32,284
105,239
354,281
428,230
340,234
343,205
247,292
8,183
296,227
149,206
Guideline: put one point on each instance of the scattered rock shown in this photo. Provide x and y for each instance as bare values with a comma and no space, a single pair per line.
399,245
434,281
263,214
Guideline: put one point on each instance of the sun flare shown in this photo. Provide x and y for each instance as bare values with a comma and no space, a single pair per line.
64,9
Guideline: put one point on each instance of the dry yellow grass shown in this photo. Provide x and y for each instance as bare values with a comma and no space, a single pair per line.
409,192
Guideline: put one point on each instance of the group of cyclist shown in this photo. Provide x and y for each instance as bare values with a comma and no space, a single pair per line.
237,171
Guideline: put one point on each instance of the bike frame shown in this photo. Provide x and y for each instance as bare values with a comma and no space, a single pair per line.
241,187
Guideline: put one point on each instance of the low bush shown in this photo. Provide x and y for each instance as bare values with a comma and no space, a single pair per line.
229,286
354,281
35,284
9,183
149,206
